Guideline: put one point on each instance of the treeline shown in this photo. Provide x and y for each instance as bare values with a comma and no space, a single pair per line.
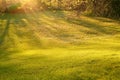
106,8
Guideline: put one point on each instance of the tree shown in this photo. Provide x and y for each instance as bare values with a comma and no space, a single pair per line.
106,8
4,6
59,4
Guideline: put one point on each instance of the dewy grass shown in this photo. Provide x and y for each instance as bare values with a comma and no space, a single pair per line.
52,45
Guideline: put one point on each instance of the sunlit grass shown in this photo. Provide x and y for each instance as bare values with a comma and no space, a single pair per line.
61,64
57,46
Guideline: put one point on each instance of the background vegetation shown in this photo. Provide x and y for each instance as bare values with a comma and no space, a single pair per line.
106,8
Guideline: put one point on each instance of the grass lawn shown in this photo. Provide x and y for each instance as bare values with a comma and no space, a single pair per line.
56,45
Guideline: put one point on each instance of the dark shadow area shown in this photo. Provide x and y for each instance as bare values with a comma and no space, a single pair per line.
94,26
105,19
8,21
6,28
4,54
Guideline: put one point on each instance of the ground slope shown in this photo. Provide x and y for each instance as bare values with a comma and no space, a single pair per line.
57,45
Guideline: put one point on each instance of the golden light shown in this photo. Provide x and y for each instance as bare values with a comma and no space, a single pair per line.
16,6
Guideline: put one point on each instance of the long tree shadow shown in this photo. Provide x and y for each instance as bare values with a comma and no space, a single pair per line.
5,32
93,26
7,22
9,25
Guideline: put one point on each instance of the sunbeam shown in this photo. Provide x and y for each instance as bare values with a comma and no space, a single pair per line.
19,6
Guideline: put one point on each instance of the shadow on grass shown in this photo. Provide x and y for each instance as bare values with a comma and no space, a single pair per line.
8,22
49,26
107,30
5,32
92,26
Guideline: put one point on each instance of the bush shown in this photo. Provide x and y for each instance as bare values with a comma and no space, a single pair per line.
14,6
106,8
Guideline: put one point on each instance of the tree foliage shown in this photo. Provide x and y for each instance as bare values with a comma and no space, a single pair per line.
106,8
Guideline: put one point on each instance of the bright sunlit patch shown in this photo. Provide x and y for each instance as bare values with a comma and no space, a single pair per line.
22,1
17,6
31,4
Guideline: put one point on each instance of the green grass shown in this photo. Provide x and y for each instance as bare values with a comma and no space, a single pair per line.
56,45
